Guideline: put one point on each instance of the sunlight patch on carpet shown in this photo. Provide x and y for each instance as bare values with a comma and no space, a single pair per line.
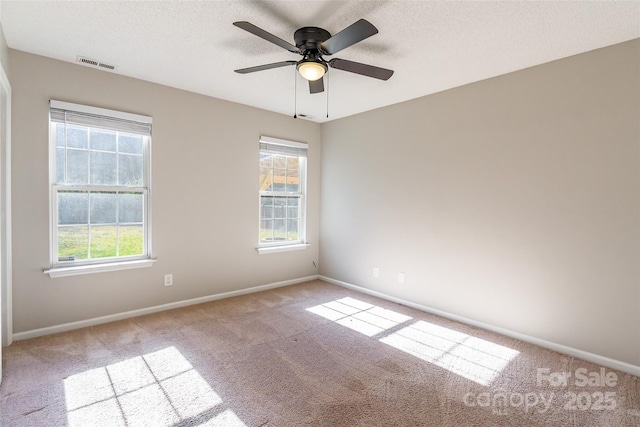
158,389
470,357
359,316
473,358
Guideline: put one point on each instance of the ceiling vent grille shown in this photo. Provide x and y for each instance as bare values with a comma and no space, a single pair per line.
97,64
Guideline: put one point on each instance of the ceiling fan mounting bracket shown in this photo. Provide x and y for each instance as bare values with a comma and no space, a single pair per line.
309,38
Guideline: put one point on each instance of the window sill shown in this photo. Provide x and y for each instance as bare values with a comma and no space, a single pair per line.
286,248
98,268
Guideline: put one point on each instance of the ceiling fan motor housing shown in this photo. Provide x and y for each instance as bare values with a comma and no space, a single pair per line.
309,38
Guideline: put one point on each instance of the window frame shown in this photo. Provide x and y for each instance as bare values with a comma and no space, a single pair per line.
301,243
65,268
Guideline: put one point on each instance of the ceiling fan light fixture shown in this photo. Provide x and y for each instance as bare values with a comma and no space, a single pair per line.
312,70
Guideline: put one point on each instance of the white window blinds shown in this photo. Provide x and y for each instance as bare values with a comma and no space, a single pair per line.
83,115
280,146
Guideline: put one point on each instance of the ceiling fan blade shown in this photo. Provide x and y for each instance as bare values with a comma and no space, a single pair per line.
359,68
351,35
265,67
316,86
247,26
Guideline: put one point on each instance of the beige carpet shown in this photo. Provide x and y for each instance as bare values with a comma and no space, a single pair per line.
309,354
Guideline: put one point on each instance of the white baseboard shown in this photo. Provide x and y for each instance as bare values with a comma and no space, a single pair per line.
580,354
140,312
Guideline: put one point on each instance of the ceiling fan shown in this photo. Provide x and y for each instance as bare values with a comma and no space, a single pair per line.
312,43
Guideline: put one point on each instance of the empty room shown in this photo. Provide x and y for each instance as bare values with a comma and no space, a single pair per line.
324,213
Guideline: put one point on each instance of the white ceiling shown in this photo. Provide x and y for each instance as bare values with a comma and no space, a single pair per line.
431,45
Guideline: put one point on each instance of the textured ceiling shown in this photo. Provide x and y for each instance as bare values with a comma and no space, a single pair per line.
431,45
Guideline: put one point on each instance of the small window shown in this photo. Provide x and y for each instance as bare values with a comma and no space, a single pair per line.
283,173
100,184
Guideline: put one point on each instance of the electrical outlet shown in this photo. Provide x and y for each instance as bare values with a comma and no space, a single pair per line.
168,279
401,278
376,272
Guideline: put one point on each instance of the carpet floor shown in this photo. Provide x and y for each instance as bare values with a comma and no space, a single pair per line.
309,354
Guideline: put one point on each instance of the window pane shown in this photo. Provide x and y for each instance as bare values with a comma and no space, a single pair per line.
266,160
77,137
59,164
103,208
59,127
293,163
279,229
266,200
103,140
103,168
77,167
292,211
279,187
72,207
266,179
279,162
130,207
266,230
279,180
130,170
280,207
130,240
266,208
293,181
292,229
130,144
73,242
103,241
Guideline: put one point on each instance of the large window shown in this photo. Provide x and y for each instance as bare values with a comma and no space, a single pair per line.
99,162
283,170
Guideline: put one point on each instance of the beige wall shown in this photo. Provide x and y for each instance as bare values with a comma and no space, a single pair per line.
513,201
204,224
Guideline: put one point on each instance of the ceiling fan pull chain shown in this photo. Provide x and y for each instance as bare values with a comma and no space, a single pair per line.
295,94
328,95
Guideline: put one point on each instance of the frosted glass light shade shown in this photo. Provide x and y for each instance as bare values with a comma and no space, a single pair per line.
312,70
